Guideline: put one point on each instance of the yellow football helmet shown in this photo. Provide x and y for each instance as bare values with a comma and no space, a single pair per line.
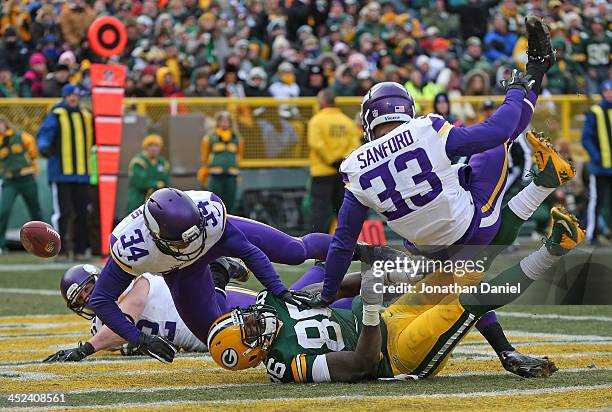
241,338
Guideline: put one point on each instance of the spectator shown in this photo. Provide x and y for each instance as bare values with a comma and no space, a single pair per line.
331,137
486,110
419,90
477,83
597,141
165,81
53,84
221,154
315,81
441,106
9,84
438,17
473,16
499,41
200,84
257,83
147,172
473,58
231,86
561,76
13,53
146,86
344,85
33,79
45,25
18,168
74,21
286,87
594,52
65,138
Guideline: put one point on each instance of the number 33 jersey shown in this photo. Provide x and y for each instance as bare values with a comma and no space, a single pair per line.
132,245
407,178
159,317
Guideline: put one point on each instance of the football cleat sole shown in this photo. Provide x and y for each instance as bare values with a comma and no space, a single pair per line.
552,169
565,232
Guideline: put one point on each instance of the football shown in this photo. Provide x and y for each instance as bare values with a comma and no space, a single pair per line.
40,239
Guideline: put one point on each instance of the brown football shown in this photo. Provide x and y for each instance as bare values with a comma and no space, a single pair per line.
40,239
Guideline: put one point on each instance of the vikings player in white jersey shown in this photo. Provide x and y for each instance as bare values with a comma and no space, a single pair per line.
147,302
404,173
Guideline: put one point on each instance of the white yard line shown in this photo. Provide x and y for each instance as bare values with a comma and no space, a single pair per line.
463,395
528,315
26,291
29,267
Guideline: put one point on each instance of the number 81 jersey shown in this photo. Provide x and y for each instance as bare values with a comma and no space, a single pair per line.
407,178
298,352
134,250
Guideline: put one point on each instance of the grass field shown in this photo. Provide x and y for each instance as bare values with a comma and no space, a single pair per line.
34,323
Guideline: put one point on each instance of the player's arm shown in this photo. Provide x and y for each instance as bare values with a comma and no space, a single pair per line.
466,141
339,255
112,282
132,306
234,243
349,287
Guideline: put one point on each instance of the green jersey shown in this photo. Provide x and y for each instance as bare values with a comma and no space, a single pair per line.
298,351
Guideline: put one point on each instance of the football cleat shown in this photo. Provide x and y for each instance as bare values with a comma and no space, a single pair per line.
237,270
539,49
552,169
527,366
565,233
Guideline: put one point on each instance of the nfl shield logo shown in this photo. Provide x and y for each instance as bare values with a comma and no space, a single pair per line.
375,113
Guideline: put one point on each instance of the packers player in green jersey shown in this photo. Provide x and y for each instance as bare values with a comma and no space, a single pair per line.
335,345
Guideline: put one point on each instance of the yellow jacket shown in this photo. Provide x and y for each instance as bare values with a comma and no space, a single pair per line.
331,137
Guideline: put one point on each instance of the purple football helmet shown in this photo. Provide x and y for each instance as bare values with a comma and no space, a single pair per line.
175,222
385,102
75,280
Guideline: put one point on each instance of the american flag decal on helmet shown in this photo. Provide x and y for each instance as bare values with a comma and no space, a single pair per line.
400,109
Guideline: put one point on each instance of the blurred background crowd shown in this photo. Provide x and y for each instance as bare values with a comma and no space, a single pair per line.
290,48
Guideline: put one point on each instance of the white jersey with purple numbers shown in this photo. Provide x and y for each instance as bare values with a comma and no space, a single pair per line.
159,317
132,246
407,178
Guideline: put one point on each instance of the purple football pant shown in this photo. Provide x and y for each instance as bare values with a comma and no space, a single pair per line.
279,246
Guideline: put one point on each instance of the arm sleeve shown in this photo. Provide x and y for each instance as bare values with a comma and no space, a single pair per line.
46,134
350,220
110,285
235,244
527,109
466,141
588,137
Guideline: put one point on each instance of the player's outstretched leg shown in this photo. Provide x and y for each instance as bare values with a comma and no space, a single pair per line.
565,235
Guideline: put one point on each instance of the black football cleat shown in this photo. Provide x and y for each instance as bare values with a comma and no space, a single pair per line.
527,366
540,50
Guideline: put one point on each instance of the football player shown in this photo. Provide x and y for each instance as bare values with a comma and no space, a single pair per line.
147,303
405,174
177,234
329,345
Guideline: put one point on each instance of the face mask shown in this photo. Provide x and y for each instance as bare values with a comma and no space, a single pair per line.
287,78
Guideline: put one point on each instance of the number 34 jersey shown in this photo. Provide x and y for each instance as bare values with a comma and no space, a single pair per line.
132,245
159,317
407,178
298,351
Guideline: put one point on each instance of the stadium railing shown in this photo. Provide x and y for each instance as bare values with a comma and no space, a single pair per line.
274,131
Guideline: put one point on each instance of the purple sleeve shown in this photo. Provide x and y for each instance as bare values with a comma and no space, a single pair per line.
466,141
111,283
234,243
340,253
527,109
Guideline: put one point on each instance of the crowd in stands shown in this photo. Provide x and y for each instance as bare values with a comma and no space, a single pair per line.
289,48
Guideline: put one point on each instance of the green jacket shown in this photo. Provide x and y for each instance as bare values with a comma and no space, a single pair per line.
427,92
17,155
145,177
224,155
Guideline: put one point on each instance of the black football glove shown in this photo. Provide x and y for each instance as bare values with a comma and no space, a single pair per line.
72,355
317,301
300,299
518,80
157,347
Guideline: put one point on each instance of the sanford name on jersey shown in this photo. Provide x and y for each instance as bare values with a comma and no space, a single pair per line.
134,250
407,178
